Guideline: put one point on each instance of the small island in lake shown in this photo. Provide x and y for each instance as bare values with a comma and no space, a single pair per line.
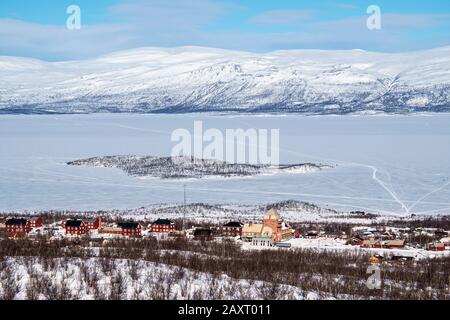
189,167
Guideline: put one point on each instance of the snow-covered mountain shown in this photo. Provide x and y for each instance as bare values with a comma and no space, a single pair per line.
191,79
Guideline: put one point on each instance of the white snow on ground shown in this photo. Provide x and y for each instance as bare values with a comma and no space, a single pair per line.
74,278
298,212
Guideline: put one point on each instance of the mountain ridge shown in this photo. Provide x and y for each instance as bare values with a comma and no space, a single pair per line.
198,79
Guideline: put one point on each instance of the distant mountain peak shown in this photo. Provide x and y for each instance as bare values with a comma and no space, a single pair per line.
198,79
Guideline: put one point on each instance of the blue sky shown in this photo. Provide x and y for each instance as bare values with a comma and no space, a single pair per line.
37,28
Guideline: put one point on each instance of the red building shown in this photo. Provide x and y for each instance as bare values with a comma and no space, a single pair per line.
17,227
93,223
76,227
163,225
232,229
355,242
436,246
36,222
389,244
130,229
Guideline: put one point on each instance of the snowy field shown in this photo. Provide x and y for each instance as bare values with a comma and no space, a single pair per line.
383,164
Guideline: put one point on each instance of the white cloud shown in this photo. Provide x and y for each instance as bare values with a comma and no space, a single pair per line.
346,6
414,21
395,34
283,17
179,22
390,22
38,40
142,23
170,15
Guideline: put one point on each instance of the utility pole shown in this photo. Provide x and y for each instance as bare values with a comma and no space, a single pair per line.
184,206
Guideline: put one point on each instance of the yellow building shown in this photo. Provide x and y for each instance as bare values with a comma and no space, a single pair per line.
272,226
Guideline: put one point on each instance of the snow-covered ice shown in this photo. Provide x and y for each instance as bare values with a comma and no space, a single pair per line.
389,164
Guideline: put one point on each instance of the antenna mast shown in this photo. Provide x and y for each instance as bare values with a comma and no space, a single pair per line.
184,205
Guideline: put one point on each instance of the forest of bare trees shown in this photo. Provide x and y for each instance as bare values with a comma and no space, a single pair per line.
150,269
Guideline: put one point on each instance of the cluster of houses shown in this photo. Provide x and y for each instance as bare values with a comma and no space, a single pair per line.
392,238
21,227
272,231
314,234
15,228
392,259
383,244
390,233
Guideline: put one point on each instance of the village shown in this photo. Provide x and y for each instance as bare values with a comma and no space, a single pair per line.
387,243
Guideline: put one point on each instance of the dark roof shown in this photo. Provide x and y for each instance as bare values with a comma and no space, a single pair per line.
402,258
16,222
90,220
128,225
202,232
163,222
73,223
235,224
333,233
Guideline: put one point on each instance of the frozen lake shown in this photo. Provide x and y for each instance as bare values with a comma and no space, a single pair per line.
389,164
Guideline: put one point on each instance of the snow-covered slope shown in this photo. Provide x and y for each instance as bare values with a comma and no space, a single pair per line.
190,79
